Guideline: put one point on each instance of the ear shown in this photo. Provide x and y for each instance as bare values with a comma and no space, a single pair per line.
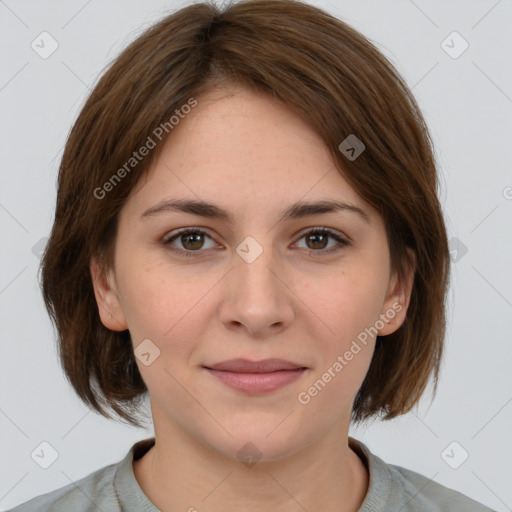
397,300
107,298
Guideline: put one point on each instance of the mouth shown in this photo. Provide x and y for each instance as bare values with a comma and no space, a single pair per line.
256,377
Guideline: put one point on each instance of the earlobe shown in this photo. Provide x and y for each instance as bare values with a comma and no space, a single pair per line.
107,298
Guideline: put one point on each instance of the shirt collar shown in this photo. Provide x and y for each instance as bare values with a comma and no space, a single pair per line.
129,493
381,480
132,498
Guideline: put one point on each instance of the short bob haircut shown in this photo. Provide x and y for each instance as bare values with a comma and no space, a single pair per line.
335,79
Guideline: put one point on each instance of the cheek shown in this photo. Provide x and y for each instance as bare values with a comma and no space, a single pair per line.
344,305
155,295
344,308
168,307
166,311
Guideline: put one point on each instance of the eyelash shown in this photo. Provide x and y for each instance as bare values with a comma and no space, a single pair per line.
322,231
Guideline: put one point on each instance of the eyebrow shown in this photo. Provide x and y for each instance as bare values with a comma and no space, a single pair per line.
297,210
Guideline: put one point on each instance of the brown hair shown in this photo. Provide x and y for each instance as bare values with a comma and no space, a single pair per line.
328,73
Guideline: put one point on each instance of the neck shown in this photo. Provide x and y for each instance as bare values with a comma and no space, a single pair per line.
179,473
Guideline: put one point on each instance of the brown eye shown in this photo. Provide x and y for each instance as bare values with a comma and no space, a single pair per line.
318,239
191,241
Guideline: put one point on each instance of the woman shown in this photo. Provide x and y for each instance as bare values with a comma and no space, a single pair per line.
247,229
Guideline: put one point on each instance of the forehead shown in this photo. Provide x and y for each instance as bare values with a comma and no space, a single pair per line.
244,149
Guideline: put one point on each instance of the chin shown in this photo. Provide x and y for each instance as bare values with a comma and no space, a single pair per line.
259,441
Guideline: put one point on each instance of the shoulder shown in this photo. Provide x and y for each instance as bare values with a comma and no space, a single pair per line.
393,487
91,493
426,495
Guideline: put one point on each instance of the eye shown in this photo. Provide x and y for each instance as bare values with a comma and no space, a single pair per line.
192,240
317,239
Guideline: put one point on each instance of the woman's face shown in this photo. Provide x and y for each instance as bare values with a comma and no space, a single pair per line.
250,283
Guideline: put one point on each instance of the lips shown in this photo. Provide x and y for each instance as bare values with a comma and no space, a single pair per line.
256,377
247,366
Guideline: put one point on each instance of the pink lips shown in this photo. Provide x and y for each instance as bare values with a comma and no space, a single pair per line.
256,377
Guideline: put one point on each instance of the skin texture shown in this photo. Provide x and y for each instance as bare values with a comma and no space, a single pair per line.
295,301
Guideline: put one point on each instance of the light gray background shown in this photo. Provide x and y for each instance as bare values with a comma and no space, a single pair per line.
467,102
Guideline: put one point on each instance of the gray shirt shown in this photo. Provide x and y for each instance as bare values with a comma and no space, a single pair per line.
114,488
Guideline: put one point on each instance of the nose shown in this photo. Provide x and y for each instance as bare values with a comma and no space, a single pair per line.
258,299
